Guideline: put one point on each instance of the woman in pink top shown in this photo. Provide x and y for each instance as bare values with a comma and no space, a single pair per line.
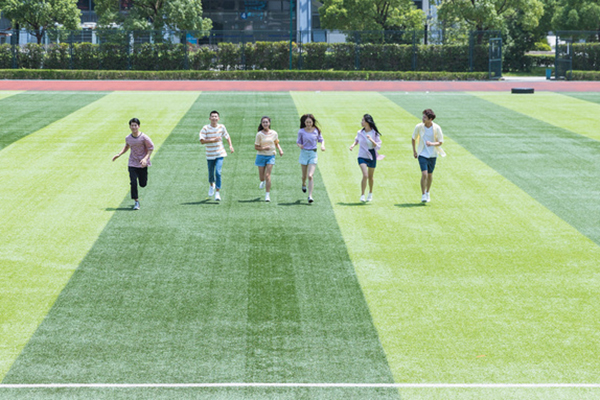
369,141
139,158
308,137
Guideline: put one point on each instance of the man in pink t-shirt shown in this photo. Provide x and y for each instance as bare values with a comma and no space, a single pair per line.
139,158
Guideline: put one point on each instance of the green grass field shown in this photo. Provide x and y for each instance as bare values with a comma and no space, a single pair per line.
492,285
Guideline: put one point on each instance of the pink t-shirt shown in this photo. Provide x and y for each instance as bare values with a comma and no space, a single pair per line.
138,149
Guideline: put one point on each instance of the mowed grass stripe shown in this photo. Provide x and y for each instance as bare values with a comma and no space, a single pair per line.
483,284
563,111
27,112
58,189
7,93
548,162
190,290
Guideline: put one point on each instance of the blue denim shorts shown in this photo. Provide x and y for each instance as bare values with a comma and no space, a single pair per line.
262,161
308,157
427,164
370,163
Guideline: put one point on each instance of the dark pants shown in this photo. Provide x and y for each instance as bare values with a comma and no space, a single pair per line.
135,175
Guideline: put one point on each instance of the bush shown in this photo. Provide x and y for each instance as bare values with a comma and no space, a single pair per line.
586,56
541,46
85,56
203,58
236,75
31,56
6,56
58,57
540,60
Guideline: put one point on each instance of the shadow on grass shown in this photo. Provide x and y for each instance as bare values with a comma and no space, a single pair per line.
119,209
296,203
197,203
352,204
256,200
409,205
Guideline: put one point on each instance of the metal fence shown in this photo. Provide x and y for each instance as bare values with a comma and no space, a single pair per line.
576,50
315,49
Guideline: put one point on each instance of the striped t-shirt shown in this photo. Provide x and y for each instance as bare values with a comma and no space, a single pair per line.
216,149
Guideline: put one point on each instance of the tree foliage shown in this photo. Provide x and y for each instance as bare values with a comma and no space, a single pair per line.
38,16
577,15
483,15
371,15
154,14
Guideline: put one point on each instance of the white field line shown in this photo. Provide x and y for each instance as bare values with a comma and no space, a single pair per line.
301,385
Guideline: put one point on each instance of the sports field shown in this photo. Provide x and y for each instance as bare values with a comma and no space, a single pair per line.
490,291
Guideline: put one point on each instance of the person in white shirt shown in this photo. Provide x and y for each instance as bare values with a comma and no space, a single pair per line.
212,136
427,140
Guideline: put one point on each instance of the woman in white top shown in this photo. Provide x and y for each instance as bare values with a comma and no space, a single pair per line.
309,136
266,145
369,141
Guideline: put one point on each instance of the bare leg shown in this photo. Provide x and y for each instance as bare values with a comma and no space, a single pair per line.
429,181
304,173
424,179
261,173
371,179
365,178
267,176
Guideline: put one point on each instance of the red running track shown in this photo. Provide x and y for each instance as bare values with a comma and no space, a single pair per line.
285,86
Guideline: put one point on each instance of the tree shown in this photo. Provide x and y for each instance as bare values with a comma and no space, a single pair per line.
38,16
484,15
154,14
371,15
577,15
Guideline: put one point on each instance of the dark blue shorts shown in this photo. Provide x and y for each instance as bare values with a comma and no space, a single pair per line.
427,164
370,163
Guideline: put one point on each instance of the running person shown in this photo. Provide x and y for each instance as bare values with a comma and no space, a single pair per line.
308,137
212,136
139,158
429,136
369,141
266,145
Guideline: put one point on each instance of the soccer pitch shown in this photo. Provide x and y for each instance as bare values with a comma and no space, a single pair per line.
489,291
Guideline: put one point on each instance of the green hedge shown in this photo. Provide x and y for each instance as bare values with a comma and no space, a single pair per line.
586,56
249,56
238,75
584,75
539,60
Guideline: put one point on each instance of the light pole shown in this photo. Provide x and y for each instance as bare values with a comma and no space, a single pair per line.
291,30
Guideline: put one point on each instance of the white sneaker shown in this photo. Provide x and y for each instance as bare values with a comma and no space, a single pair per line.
262,185
211,190
424,198
370,197
217,196
310,199
362,198
136,206
267,197
428,197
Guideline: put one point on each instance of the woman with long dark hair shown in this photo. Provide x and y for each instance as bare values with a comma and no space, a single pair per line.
369,141
266,144
308,137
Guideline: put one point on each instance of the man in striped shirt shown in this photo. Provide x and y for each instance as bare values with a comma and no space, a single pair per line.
212,136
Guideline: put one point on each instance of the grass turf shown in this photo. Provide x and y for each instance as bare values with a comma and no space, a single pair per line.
58,192
507,278
190,290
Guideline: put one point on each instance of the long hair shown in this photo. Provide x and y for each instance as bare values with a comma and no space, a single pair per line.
369,120
260,128
315,123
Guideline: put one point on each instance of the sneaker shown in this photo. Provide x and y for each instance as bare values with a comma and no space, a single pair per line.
211,190
304,188
262,185
428,197
268,197
362,198
310,199
136,206
424,198
370,197
217,196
